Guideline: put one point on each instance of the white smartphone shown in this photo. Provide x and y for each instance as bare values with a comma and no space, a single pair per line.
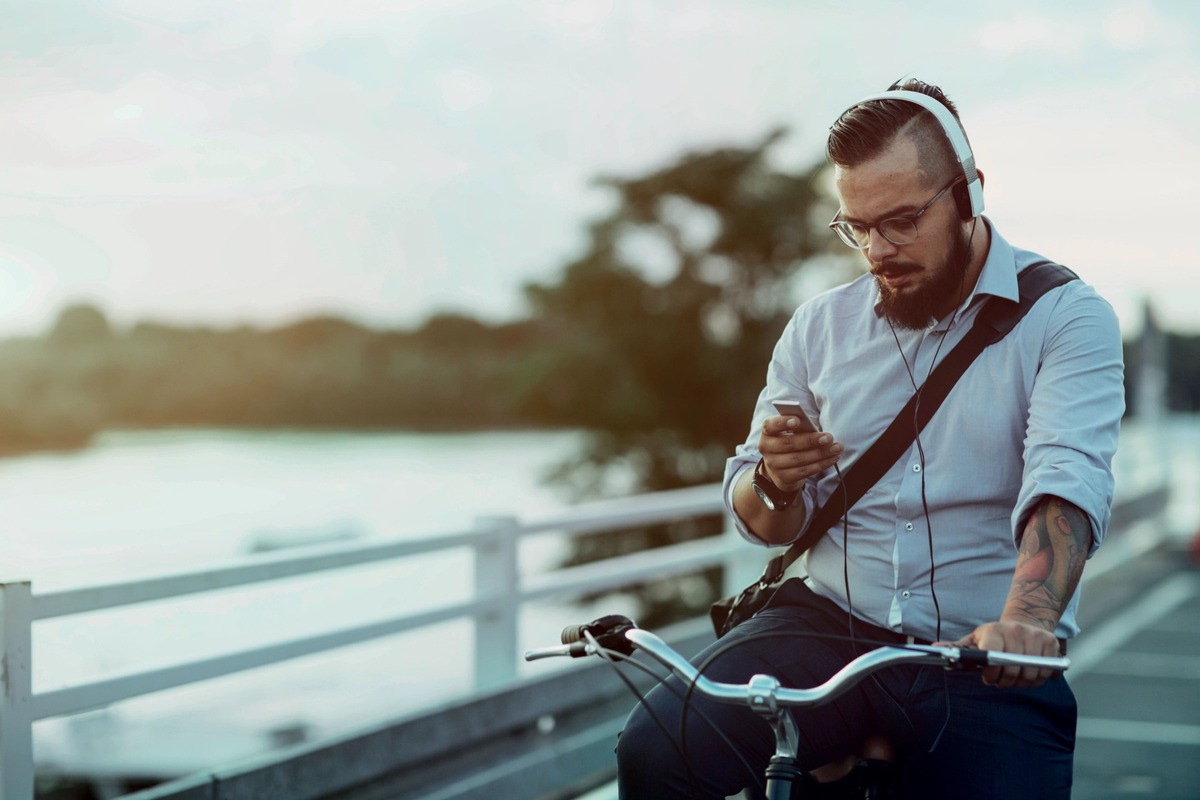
791,408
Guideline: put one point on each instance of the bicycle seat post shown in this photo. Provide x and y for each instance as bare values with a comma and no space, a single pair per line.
782,772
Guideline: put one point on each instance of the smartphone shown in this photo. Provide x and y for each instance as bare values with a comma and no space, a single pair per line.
791,408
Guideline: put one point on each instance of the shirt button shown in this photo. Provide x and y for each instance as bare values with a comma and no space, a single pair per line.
916,467
908,526
906,595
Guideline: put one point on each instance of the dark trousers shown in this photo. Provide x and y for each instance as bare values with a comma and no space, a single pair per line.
956,736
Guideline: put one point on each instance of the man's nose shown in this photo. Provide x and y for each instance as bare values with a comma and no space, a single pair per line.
878,247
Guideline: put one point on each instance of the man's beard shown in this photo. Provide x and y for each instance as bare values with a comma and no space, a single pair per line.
916,309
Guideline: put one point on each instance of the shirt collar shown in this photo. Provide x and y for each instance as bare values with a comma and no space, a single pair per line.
999,274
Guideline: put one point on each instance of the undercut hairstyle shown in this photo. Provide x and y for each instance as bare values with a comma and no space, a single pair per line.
865,130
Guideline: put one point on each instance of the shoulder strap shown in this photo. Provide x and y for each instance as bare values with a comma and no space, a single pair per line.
994,322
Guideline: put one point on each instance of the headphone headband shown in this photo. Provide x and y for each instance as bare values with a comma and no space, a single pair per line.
954,133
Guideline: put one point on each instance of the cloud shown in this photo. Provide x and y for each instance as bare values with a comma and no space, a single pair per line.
157,136
151,108
1063,33
31,31
1028,32
1132,27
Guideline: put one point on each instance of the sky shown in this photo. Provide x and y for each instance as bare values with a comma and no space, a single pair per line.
222,162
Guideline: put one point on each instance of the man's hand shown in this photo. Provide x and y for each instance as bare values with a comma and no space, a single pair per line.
791,456
1021,638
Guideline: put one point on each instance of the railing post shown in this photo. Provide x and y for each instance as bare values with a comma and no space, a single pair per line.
16,712
497,584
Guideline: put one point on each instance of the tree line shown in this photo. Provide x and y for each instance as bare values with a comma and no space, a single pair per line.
84,376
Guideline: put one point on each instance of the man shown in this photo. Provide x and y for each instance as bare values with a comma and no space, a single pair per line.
977,536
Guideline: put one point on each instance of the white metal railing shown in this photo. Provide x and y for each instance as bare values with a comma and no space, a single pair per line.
499,592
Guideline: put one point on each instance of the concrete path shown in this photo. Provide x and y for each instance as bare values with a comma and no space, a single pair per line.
1136,674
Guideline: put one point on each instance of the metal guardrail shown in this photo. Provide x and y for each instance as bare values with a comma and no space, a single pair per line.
499,591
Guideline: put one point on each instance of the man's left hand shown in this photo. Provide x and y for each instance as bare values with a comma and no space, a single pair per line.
1012,637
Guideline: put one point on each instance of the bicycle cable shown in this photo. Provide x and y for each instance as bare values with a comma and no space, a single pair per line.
846,551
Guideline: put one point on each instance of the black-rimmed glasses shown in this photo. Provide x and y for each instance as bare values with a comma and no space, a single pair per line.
899,230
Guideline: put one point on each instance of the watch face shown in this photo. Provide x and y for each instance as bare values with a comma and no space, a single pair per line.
766,498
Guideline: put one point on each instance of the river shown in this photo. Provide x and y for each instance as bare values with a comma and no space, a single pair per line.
145,503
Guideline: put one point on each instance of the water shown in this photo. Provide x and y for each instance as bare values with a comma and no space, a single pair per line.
146,503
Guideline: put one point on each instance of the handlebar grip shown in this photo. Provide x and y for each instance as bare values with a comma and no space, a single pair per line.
572,634
609,632
972,658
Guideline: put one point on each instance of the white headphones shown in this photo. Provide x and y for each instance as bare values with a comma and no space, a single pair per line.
970,204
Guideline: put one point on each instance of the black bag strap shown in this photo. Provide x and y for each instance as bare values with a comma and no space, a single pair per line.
995,321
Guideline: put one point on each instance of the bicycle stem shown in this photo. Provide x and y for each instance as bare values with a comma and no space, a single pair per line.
783,771
763,700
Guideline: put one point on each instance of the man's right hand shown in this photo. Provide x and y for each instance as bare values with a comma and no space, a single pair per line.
790,457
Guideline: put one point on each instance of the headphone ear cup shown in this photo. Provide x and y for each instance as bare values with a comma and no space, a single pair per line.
962,200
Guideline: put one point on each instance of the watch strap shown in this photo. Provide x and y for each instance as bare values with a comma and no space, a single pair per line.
780,498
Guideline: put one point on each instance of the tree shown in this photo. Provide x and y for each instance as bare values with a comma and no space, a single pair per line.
661,331
81,323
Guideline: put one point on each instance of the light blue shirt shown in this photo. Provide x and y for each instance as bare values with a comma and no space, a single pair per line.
1036,414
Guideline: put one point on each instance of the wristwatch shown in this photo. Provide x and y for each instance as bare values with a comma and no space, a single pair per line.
772,496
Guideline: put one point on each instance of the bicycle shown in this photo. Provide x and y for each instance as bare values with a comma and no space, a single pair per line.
618,636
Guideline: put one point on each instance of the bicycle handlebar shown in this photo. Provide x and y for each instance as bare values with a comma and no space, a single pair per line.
765,691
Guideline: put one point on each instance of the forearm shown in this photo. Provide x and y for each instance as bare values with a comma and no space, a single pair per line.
773,527
1050,559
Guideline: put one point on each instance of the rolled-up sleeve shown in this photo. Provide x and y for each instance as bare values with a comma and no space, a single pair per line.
784,380
1075,411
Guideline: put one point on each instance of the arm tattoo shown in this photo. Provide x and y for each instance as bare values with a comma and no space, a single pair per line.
1050,562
